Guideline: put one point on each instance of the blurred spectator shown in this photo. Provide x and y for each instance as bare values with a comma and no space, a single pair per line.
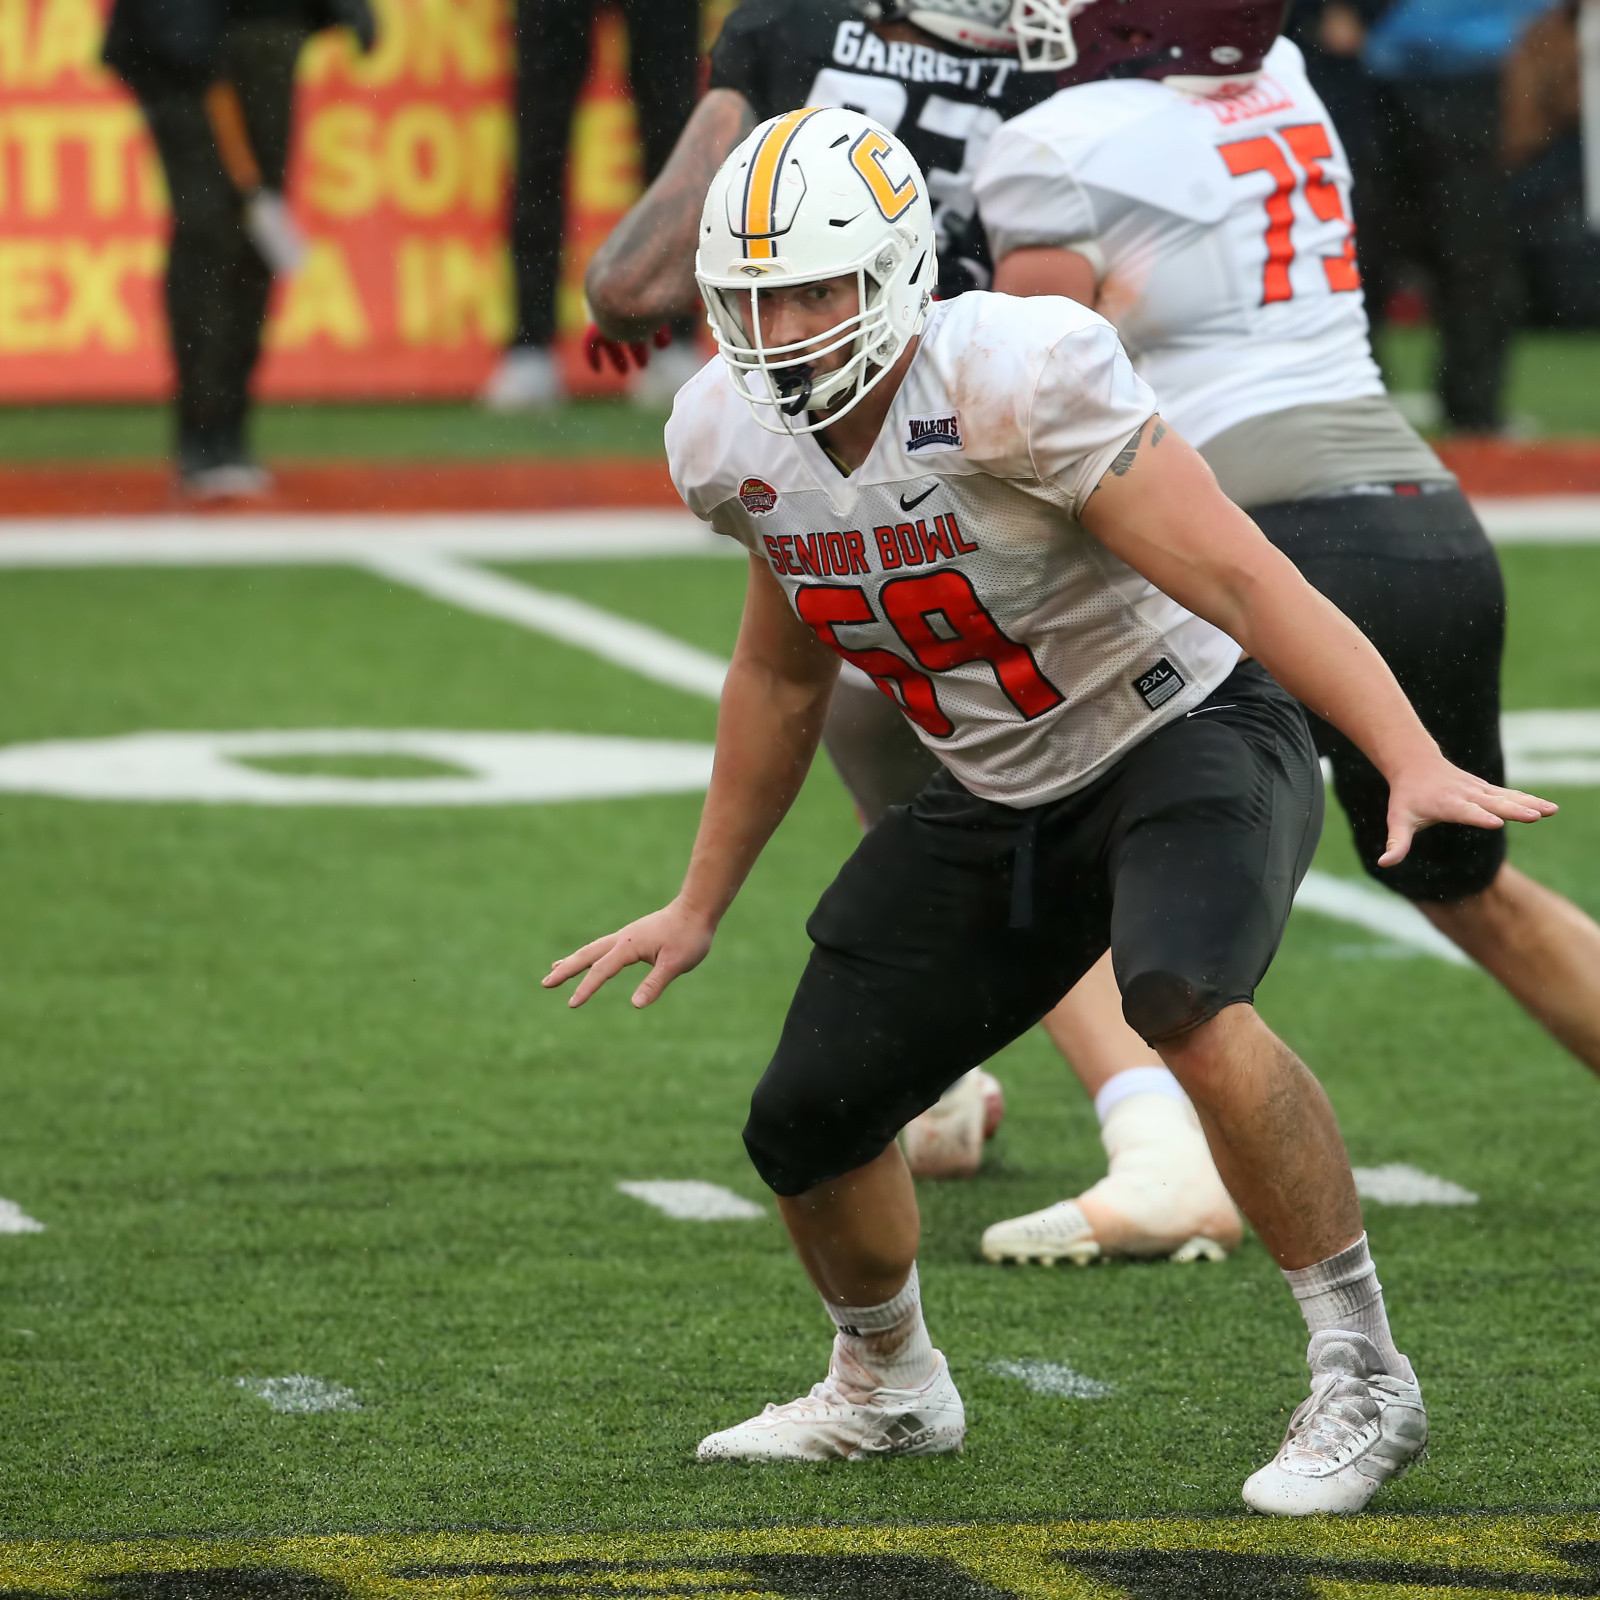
216,81
1543,150
1439,194
552,45
1332,35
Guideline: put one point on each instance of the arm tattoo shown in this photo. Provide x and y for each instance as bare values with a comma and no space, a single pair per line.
644,272
1124,459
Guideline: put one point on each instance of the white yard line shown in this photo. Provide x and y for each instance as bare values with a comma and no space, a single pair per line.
1053,1378
300,1392
187,541
615,535
691,1200
1377,911
631,645
1541,519
1396,1184
13,1219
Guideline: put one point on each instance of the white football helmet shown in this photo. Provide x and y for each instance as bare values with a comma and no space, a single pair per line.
1043,33
814,194
977,24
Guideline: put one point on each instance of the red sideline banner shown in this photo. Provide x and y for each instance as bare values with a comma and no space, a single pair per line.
399,176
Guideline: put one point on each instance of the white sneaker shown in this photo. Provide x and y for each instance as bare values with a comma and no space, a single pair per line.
1359,1428
828,1425
230,480
947,1140
527,377
1161,1197
656,386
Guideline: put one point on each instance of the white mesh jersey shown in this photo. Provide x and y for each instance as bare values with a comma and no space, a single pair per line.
1220,229
951,566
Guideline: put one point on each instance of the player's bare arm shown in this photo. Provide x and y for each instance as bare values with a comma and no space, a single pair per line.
773,706
1047,270
1160,509
644,273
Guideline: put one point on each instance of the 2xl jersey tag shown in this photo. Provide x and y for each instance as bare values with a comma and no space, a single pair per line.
1159,684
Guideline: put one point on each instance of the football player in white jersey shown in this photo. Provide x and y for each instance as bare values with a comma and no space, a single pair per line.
1186,182
976,504
943,75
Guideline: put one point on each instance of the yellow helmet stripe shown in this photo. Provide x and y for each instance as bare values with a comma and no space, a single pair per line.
761,183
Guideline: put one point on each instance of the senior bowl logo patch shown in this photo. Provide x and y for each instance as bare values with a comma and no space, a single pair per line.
759,498
933,433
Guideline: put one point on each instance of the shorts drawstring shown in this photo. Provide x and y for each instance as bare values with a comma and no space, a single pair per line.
1022,872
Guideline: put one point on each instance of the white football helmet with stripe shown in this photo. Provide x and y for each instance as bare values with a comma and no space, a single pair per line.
814,194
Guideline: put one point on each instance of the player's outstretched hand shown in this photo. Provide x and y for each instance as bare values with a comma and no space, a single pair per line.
599,349
1440,792
673,940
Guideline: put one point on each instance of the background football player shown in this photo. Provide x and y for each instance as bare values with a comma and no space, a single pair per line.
1188,184
1058,620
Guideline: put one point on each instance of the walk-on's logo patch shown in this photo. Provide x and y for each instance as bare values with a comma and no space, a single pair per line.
1159,684
759,497
934,433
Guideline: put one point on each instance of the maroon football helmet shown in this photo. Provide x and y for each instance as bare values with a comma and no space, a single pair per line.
1082,40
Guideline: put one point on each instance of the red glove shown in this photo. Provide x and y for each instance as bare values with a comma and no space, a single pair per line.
597,347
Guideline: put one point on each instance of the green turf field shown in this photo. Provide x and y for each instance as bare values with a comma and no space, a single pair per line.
285,1093
1554,389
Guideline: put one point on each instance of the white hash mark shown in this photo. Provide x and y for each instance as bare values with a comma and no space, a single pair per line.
1378,911
297,1392
13,1219
690,1200
1399,1185
1050,1377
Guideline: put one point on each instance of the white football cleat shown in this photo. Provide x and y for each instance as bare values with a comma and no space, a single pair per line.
527,377
1161,1197
828,1425
947,1140
657,385
1360,1427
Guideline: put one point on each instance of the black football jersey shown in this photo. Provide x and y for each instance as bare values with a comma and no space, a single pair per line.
943,101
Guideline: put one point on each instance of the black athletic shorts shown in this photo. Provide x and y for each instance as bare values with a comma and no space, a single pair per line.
1417,574
958,923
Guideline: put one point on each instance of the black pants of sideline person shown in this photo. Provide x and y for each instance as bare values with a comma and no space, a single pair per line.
217,284
552,38
1440,202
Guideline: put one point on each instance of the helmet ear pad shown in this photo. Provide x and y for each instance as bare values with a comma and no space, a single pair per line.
1082,41
813,195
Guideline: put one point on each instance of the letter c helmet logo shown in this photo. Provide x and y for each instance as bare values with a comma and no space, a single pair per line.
866,156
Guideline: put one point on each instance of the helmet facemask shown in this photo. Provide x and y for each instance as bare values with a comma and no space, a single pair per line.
1044,33
781,382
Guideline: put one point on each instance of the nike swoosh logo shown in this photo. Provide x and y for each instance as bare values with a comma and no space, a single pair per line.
1206,711
907,505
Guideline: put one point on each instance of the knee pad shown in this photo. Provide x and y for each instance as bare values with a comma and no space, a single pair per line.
1165,1005
787,1139
797,1140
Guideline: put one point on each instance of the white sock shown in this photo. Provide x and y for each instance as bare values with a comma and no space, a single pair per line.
884,1346
1136,1080
1343,1292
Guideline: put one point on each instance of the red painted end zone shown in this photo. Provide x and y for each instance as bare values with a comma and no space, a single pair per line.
64,491
1485,467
